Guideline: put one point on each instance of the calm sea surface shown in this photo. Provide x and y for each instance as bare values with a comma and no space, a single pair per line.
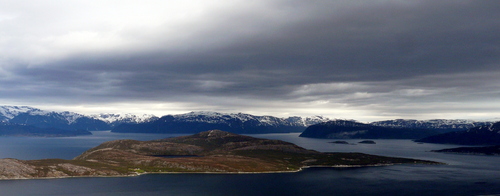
464,174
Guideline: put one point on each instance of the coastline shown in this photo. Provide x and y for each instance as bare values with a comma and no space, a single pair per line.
221,173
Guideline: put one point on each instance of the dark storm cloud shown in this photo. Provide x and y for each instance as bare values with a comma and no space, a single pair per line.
352,52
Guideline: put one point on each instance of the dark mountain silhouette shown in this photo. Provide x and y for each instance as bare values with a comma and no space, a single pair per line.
346,129
481,135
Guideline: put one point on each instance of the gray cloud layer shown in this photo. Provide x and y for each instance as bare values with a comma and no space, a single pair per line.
353,59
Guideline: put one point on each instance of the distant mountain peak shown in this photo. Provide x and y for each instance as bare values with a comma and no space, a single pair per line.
124,118
9,112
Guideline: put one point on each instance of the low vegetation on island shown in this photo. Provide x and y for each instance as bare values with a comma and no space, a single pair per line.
206,152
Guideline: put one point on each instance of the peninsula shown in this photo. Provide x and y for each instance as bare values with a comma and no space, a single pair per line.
486,150
206,152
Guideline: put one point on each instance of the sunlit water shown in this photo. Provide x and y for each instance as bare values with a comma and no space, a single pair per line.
464,174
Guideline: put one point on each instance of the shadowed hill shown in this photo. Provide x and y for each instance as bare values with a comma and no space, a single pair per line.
345,129
481,135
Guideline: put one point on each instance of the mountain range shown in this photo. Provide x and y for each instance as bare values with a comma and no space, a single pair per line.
444,125
348,129
194,122
480,135
24,115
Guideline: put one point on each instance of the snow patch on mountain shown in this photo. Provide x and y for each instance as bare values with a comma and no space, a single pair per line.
70,117
9,112
433,123
124,118
216,117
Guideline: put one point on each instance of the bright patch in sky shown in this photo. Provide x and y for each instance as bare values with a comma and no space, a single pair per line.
365,60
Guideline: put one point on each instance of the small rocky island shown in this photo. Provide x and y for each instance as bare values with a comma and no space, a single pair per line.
206,152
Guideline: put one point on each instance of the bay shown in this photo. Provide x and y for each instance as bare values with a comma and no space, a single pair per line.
463,174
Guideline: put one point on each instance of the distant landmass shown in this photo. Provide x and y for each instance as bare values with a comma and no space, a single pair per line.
442,125
367,142
194,122
32,131
206,152
348,129
481,135
488,150
24,115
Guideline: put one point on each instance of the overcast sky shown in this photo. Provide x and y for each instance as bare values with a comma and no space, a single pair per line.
356,59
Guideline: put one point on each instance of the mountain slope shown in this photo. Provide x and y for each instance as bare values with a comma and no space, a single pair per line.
9,112
194,122
345,129
117,119
481,135
63,120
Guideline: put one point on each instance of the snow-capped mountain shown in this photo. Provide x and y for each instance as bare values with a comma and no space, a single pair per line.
227,118
440,124
60,120
25,115
9,112
29,121
307,121
194,122
115,119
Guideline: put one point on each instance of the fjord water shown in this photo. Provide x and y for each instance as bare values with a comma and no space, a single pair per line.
463,174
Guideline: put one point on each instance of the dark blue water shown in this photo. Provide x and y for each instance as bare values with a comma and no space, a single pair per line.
464,174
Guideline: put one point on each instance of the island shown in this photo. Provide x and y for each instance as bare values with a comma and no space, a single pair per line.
212,151
339,142
367,142
487,150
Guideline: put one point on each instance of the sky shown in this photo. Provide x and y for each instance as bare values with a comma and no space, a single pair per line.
352,59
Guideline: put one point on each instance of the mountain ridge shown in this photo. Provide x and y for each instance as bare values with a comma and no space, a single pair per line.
481,135
349,129
193,122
